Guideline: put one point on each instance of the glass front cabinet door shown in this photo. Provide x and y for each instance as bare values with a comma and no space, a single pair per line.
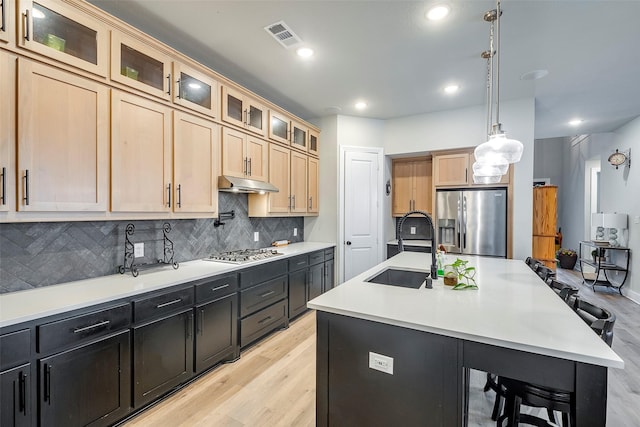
195,90
279,127
140,66
61,32
314,139
242,110
299,135
6,19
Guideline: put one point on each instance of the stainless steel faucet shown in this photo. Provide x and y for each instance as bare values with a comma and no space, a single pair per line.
434,265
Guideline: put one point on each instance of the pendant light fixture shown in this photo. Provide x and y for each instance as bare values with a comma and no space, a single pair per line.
498,149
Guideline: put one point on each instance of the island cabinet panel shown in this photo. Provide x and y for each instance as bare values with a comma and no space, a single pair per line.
86,385
63,140
141,155
196,151
422,391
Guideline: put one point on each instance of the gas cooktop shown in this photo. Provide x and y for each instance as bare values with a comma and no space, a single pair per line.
243,255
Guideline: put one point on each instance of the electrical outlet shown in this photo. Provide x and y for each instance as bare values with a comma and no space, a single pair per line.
256,236
381,363
413,230
295,232
138,250
636,219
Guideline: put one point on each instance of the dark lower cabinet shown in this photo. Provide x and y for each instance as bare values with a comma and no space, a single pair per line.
329,278
297,292
162,356
88,385
216,332
15,396
316,277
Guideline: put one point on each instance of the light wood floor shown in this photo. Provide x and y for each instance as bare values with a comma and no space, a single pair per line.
273,383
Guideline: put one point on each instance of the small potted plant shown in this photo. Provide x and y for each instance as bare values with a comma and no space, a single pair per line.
567,258
464,276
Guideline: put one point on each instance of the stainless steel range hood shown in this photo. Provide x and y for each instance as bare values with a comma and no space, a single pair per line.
233,184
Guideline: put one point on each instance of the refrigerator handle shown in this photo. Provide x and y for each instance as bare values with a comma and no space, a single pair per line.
459,226
464,221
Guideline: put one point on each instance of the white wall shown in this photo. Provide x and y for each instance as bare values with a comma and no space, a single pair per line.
548,163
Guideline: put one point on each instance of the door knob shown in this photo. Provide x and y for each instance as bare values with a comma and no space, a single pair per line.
348,242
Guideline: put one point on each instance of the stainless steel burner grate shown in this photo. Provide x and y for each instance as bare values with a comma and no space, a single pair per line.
243,255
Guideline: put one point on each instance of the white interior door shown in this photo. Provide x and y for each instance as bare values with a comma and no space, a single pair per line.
361,213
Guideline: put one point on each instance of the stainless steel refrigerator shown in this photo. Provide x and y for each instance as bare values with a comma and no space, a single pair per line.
472,221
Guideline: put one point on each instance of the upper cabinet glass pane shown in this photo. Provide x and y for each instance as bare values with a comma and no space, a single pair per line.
299,137
313,143
63,34
255,117
279,128
234,107
140,67
195,90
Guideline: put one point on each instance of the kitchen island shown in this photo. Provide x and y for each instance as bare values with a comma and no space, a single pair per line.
390,355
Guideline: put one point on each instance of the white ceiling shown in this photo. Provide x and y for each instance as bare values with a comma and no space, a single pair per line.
386,52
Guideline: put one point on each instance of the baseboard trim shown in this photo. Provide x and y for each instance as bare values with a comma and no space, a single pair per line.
633,296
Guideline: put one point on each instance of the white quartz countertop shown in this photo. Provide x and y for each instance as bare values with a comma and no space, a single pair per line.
409,242
512,308
22,306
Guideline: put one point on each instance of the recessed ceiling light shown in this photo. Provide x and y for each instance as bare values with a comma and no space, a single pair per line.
437,13
451,89
305,52
361,105
534,75
576,122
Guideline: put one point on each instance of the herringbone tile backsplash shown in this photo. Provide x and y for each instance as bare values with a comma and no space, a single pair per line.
42,254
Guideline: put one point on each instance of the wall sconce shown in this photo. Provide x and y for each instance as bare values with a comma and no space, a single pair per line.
613,223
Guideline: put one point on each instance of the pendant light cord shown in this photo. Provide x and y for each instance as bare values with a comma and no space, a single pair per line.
497,55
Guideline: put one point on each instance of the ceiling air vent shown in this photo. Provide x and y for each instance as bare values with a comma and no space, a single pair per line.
283,34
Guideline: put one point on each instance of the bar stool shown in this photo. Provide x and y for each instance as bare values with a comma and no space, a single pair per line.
567,292
532,263
518,392
545,273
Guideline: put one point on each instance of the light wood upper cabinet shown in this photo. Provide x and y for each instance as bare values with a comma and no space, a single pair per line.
279,127
313,181
412,185
299,199
195,90
451,169
140,66
63,140
62,32
8,67
280,177
240,109
6,21
299,136
243,156
314,141
196,145
141,155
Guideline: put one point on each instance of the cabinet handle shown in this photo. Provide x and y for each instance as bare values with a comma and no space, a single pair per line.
311,202
289,207
86,328
294,201
47,384
249,166
179,195
178,89
26,22
244,172
465,174
264,320
4,176
23,393
26,187
217,288
169,191
166,304
246,115
189,328
169,84
200,323
3,21
266,294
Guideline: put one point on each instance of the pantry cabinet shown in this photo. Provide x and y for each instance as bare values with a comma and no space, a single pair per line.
412,185
141,155
313,183
8,68
62,32
243,155
138,65
63,140
240,109
196,158
195,90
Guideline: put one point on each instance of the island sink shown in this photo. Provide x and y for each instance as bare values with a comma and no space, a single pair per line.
405,278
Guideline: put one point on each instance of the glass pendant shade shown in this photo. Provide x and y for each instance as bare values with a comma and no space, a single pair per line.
499,149
488,169
486,179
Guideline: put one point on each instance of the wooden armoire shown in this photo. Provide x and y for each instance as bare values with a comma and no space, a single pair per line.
545,208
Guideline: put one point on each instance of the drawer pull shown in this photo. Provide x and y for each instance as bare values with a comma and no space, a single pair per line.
3,198
217,288
266,294
301,263
47,384
165,304
86,328
264,320
23,393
